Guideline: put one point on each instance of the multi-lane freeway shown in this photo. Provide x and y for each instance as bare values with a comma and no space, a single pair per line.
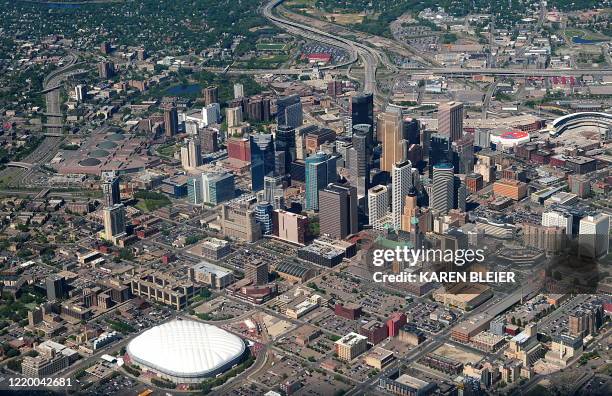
369,57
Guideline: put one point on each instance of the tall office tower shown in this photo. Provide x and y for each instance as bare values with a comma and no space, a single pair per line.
256,271
359,159
211,114
410,211
258,109
289,111
594,235
378,206
459,194
280,167
285,142
362,111
210,142
56,287
239,102
114,221
262,159
194,190
401,179
412,130
210,95
334,88
442,194
300,140
463,154
389,132
238,148
106,69
217,187
263,215
233,116
185,157
425,142
191,155
439,152
320,170
80,92
110,188
450,120
238,91
558,219
195,153
170,121
273,186
338,211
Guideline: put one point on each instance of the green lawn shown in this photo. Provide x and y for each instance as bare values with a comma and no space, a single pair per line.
150,200
271,46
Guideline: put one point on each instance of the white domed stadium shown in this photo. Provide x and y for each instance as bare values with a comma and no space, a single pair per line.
509,138
186,351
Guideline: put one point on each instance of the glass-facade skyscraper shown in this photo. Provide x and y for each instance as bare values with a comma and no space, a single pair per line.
262,159
320,171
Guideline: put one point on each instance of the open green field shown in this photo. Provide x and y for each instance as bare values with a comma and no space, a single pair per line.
271,46
585,34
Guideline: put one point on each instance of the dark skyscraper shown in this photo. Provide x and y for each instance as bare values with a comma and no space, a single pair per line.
338,211
289,111
439,151
362,109
171,121
412,130
262,159
56,287
110,189
106,69
258,109
285,142
459,194
209,141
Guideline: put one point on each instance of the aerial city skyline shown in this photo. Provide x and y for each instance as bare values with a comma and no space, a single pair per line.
305,197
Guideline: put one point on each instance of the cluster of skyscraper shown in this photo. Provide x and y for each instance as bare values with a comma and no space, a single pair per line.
383,161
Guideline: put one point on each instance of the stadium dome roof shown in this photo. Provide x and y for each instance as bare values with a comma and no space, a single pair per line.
187,349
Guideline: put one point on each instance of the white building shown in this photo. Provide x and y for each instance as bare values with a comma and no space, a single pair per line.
238,91
558,219
401,175
79,93
595,235
378,206
191,155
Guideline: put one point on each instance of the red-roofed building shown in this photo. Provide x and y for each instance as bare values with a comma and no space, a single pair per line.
319,57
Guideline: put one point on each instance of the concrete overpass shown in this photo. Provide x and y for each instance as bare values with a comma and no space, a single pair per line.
50,89
24,165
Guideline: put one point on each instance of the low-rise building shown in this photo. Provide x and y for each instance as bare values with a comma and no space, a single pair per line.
351,345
